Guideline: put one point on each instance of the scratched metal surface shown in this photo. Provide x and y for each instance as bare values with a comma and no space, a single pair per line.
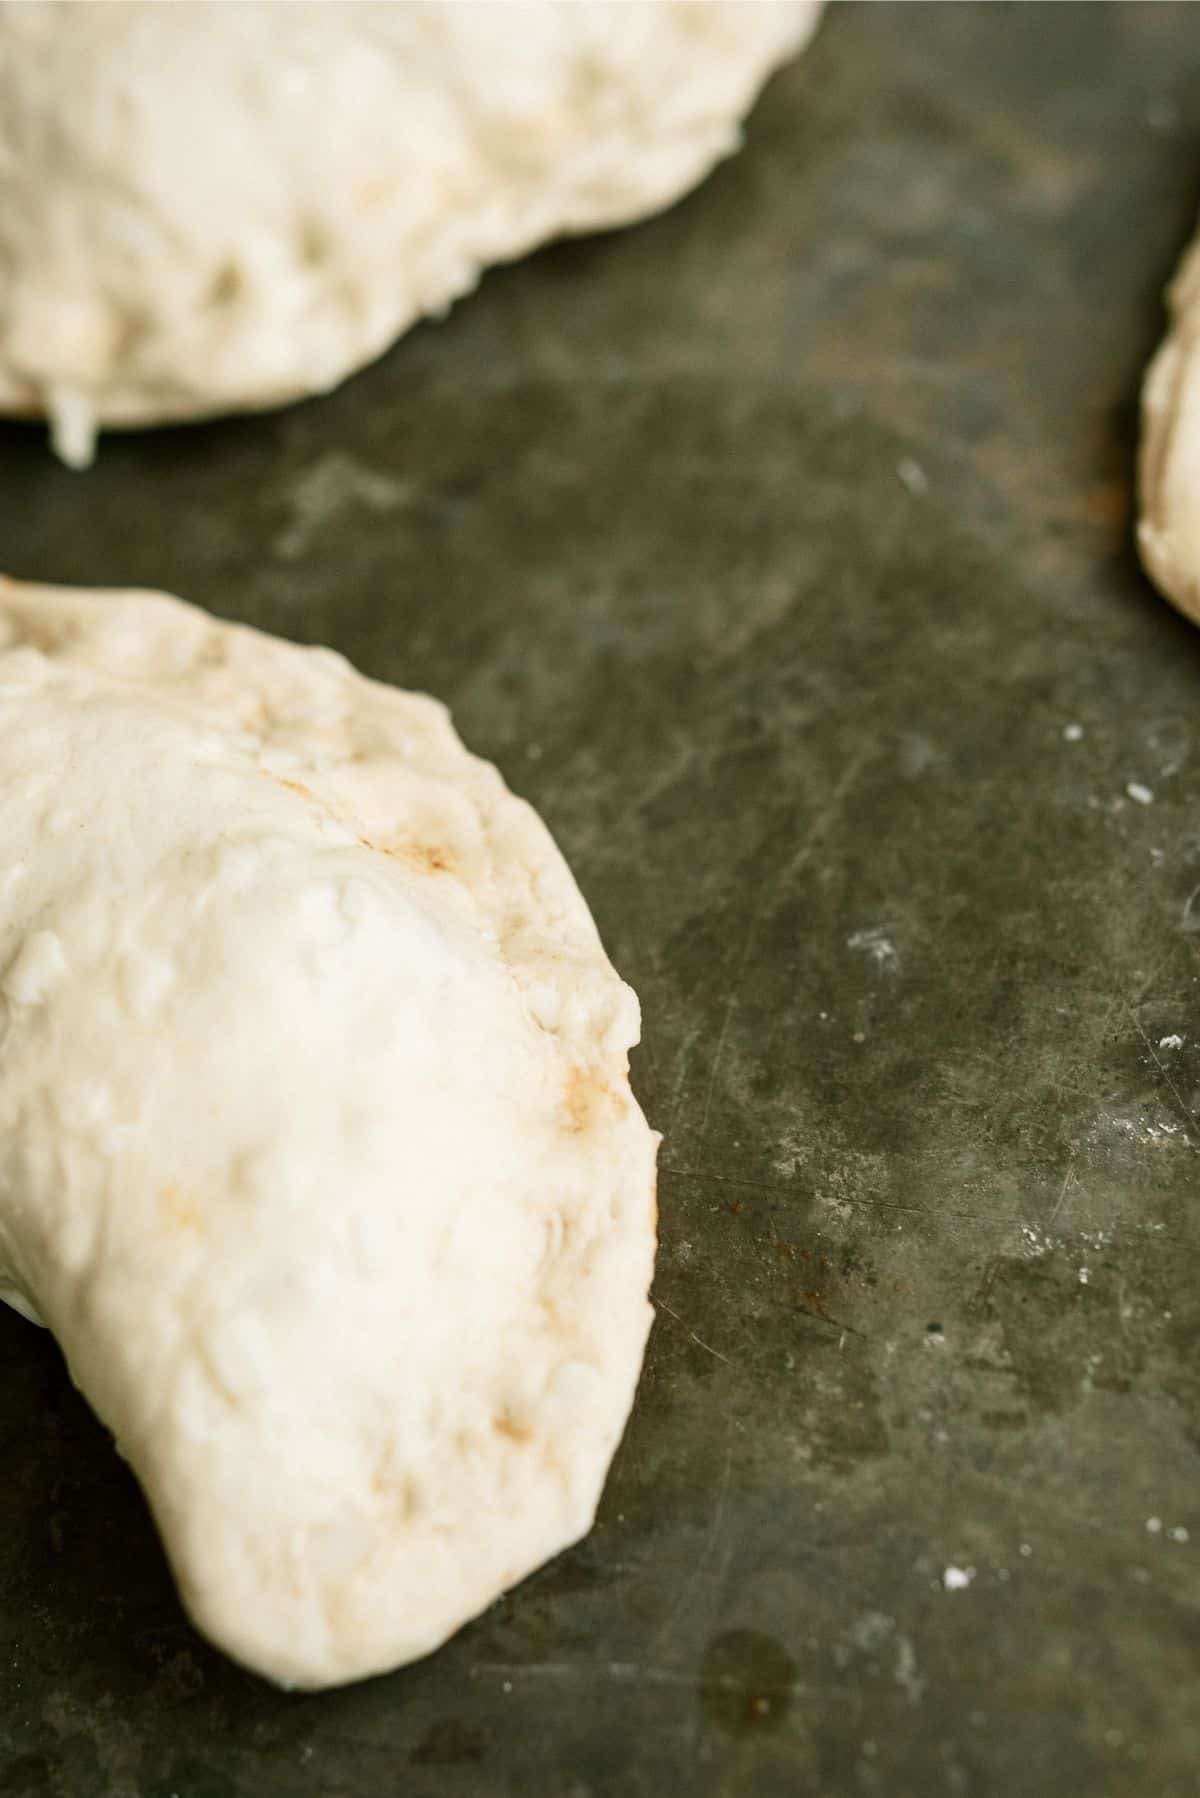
779,551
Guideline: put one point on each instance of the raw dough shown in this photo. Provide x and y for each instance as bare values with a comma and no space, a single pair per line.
1169,471
211,208
317,1149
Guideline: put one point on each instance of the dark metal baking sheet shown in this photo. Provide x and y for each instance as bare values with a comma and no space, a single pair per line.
779,550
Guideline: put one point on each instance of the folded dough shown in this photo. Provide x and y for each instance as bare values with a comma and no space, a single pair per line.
1169,463
213,208
318,1151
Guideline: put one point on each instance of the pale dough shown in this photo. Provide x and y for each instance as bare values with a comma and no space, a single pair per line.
1169,470
318,1150
206,208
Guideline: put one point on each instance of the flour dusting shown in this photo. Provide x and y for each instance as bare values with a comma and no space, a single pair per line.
875,943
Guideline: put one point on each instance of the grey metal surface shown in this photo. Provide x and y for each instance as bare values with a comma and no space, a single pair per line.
779,551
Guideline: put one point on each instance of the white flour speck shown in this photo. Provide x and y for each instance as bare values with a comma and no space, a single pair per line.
1170,1042
1034,1242
957,1579
1083,1276
1137,792
907,1677
912,475
1072,733
1026,1550
1178,1534
1153,1525
875,943
334,486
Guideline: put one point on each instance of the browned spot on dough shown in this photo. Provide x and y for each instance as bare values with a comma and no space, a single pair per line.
424,856
225,286
436,860
313,243
399,1491
507,1426
180,1212
293,786
580,1100
586,1097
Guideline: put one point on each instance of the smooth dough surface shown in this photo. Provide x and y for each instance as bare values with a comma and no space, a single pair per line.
207,208
317,1145
1169,462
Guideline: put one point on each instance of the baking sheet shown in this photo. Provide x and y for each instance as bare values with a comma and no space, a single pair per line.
779,551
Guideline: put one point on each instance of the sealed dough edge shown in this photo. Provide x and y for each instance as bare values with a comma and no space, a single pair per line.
318,1150
186,234
1169,453
1168,533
